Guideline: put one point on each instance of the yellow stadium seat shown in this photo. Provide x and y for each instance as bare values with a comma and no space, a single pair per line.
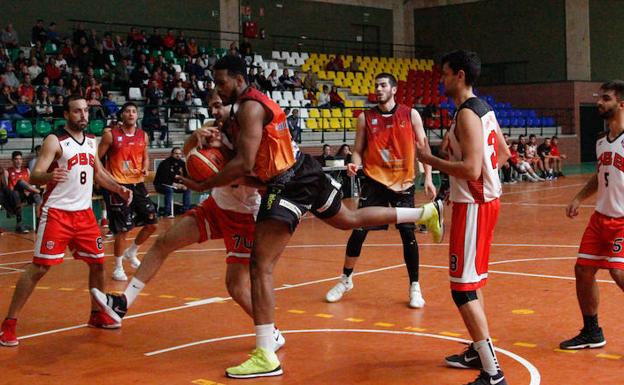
348,103
312,124
355,89
348,113
339,82
348,124
359,103
331,75
340,75
336,113
342,95
347,83
350,75
316,68
322,75
336,123
314,113
325,125
326,113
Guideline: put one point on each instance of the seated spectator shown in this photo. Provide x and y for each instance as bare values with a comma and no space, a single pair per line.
246,50
294,125
152,123
60,89
543,151
34,70
344,153
155,40
169,40
324,98
273,81
331,64
310,82
325,156
57,107
108,44
339,63
179,108
531,156
177,89
192,48
311,97
9,37
431,115
75,88
79,33
8,104
557,157
52,34
335,100
139,76
287,82
52,71
9,78
43,106
38,34
153,94
45,85
25,108
522,167
16,179
355,66
95,107
110,107
94,86
522,142
165,181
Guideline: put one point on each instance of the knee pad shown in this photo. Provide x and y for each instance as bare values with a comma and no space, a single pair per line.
354,245
463,297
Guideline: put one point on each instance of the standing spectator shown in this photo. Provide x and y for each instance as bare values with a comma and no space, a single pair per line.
557,157
246,51
52,35
543,151
165,181
152,123
294,125
335,100
9,37
26,89
324,98
38,33
16,178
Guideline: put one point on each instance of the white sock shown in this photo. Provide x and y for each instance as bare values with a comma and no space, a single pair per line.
133,248
264,336
133,290
408,214
119,262
487,355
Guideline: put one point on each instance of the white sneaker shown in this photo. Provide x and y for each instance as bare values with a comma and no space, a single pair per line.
279,340
132,258
416,299
336,292
119,274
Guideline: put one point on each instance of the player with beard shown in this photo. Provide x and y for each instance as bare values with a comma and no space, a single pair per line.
602,245
125,148
69,165
229,213
384,147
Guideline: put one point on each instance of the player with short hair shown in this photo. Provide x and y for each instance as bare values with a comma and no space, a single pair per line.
69,165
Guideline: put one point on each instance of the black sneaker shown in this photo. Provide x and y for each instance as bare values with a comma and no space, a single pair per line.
585,339
487,379
115,306
22,229
469,359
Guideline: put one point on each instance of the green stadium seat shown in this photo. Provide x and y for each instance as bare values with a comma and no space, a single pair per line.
42,128
96,127
24,128
59,123
170,56
50,48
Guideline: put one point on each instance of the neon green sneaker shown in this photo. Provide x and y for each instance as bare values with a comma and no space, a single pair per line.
433,218
261,363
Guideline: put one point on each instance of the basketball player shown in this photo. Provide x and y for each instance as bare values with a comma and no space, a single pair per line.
476,149
602,245
68,164
229,212
384,147
125,147
295,184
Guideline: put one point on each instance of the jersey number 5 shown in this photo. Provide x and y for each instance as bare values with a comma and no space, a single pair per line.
492,141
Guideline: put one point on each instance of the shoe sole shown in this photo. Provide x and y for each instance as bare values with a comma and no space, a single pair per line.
109,327
276,372
101,303
584,346
459,365
120,279
337,299
419,306
129,260
9,344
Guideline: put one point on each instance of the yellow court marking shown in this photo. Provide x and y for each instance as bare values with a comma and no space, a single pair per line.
383,324
166,296
523,311
450,334
296,311
143,294
201,381
565,351
66,289
354,319
609,356
525,344
415,329
191,299
323,315
42,287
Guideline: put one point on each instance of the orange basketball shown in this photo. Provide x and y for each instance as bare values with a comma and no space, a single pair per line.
204,163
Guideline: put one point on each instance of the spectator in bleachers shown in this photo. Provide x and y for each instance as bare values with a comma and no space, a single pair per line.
38,33
192,48
324,98
335,100
25,108
94,86
179,109
233,49
177,89
169,40
57,107
16,178
45,85
152,123
344,152
75,88
155,42
9,37
51,70
273,81
9,78
53,35
26,89
331,64
531,156
294,125
108,44
355,66
139,76
38,51
43,106
84,58
93,39
110,107
263,82
521,166
287,82
310,82
59,89
165,181
188,99
522,145
154,95
543,151
34,70
95,106
8,104
339,63
325,155
246,50
121,75
79,32
557,157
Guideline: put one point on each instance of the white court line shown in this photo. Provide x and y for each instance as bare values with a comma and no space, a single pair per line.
544,204
11,268
533,372
528,260
543,189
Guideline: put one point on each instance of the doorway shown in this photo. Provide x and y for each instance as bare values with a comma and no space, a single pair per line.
592,125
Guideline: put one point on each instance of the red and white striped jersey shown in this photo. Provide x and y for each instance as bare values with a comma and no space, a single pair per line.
79,159
488,186
610,155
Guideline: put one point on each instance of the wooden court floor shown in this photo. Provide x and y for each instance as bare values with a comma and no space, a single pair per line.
185,330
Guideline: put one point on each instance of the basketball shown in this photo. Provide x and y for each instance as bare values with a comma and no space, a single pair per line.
204,163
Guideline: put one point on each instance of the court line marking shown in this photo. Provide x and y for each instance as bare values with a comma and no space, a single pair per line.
543,189
533,372
545,204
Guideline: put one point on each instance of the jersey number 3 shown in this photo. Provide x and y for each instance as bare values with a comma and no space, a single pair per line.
492,141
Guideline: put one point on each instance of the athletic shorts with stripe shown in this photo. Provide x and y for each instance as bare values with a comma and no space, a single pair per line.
123,217
602,244
59,229
377,194
472,231
236,229
301,188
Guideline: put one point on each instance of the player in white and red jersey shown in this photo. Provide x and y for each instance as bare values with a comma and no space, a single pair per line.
602,245
69,165
476,149
229,214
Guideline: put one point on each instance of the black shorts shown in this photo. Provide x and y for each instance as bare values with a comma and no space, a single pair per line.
376,194
301,188
123,218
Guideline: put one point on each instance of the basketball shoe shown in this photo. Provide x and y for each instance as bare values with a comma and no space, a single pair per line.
119,274
344,285
279,340
416,299
585,339
114,306
261,363
132,258
487,379
469,359
8,336
101,320
433,218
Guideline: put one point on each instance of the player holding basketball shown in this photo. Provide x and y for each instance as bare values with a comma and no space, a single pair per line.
476,149
384,146
229,213
125,147
602,245
68,164
295,184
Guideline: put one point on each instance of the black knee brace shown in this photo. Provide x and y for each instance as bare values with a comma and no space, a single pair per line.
463,297
356,240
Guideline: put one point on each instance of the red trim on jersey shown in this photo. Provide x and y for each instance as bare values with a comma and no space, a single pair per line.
476,189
